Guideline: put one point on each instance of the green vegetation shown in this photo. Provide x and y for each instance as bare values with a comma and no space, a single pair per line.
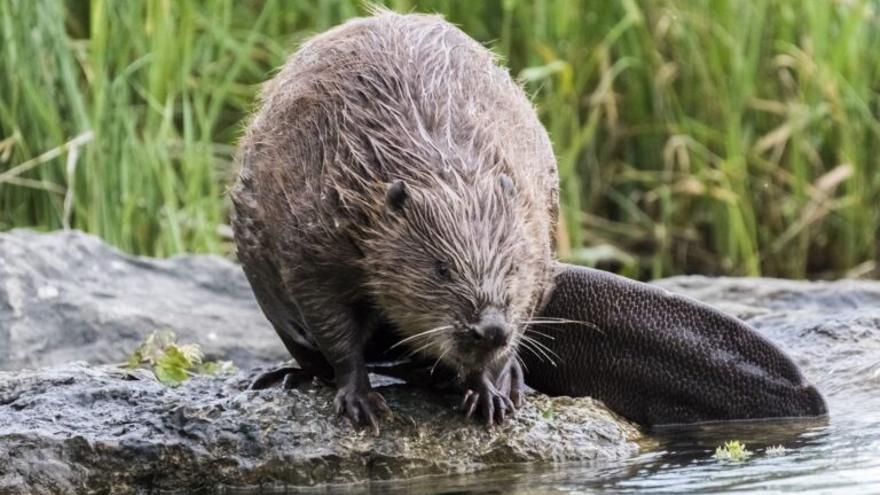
732,451
705,136
174,363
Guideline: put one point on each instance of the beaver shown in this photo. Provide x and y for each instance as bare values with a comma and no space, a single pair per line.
398,191
396,176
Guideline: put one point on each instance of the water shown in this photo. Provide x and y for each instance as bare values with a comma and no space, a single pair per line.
832,332
838,454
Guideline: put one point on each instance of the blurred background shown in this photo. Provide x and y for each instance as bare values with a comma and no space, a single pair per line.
733,137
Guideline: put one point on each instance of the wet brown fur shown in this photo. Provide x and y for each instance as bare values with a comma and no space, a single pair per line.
372,102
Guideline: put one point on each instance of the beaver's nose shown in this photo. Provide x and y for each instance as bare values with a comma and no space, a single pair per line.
493,329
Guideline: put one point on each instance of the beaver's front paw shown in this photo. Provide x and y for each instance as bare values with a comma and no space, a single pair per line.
492,404
359,405
510,382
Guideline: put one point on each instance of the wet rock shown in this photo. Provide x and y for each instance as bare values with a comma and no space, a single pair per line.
86,427
69,429
83,427
67,296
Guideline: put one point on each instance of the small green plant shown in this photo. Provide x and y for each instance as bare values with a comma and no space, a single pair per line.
548,414
733,450
173,363
775,450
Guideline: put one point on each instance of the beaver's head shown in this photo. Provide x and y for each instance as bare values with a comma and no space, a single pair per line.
453,265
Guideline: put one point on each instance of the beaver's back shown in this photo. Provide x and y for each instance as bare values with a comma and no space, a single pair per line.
385,98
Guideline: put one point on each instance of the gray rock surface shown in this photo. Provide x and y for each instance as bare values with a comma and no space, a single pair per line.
90,427
77,427
68,296
83,427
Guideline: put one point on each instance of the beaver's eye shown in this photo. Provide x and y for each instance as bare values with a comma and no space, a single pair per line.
442,270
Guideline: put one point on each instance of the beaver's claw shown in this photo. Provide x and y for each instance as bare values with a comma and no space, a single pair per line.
359,404
511,383
493,405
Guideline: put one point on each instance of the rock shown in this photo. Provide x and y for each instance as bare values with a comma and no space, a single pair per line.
89,427
67,296
79,428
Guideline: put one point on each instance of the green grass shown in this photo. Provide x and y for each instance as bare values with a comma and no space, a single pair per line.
721,136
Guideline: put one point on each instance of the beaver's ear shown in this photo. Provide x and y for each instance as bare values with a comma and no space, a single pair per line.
397,196
507,186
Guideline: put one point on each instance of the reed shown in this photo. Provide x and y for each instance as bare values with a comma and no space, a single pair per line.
722,136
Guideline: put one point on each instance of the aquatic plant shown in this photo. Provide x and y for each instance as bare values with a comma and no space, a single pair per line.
733,450
775,450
